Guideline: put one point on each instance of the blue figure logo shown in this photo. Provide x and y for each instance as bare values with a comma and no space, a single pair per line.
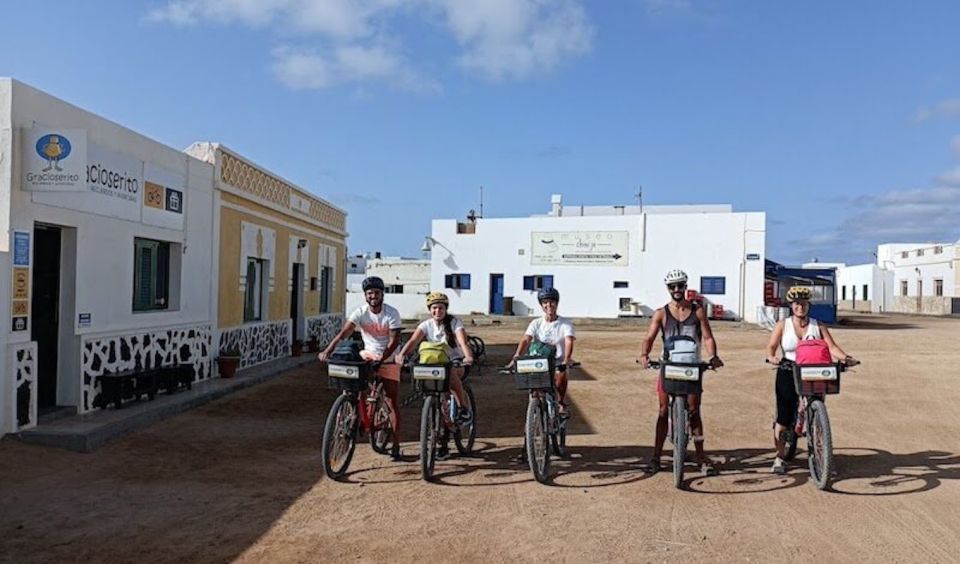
54,148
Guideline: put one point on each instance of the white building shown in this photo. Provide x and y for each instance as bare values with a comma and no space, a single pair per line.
601,258
105,254
407,280
865,287
926,276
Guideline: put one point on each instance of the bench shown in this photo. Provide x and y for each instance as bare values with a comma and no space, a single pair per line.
172,378
117,386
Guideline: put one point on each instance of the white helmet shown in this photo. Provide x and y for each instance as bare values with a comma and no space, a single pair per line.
675,276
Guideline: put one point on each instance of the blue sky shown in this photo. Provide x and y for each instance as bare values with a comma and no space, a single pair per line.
840,120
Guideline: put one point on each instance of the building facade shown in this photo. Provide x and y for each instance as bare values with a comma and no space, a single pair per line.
601,259
280,257
926,277
865,288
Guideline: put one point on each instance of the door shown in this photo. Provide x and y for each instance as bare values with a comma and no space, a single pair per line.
496,294
45,311
919,296
296,300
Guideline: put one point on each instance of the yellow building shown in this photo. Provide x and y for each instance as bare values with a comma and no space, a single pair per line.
281,254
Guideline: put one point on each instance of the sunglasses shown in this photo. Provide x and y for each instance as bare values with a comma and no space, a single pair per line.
672,287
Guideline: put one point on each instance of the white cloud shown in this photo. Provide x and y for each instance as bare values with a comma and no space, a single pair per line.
944,109
355,42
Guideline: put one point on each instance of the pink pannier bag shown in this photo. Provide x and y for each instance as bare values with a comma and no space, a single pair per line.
813,351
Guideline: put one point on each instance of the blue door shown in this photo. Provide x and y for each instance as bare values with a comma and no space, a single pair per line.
496,294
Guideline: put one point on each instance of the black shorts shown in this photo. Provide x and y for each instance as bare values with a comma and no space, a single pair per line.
787,398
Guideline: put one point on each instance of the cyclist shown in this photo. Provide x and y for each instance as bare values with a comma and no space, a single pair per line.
680,317
786,334
448,330
379,326
554,331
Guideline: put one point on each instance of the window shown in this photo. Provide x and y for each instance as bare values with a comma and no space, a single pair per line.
538,282
905,254
938,250
253,296
326,288
864,296
621,284
151,275
903,287
625,304
327,261
457,281
394,288
715,285
843,293
919,252
938,288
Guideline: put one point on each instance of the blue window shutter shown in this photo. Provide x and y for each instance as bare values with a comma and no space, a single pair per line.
448,281
465,281
548,281
528,282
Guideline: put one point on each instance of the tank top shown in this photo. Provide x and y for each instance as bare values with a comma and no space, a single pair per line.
689,327
789,340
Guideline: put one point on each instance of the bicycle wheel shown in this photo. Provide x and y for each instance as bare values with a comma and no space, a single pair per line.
819,445
382,435
429,427
559,440
679,438
339,436
465,435
538,452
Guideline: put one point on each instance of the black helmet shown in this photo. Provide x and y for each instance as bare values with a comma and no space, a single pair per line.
372,283
548,294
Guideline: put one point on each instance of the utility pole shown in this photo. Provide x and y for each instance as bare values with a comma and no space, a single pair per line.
481,201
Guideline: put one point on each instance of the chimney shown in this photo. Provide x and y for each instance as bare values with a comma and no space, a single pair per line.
556,205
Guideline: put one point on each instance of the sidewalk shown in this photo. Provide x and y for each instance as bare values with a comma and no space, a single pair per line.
85,433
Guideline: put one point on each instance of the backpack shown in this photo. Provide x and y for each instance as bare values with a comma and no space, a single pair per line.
682,348
346,351
433,353
813,351
542,350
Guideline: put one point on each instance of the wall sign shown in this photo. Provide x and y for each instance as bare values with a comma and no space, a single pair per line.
19,324
21,283
21,248
54,160
753,256
84,320
20,307
164,201
580,248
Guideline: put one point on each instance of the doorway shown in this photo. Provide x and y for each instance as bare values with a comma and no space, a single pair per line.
296,301
496,294
45,312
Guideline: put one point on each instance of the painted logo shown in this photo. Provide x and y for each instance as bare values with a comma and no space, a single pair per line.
174,200
53,148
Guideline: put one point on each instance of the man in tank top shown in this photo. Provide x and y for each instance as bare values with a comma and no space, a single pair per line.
680,317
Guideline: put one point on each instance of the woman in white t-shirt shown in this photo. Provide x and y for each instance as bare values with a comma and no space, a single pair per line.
447,329
556,331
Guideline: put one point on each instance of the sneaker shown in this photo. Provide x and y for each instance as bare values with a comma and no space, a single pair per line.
707,469
655,465
563,412
779,466
395,453
443,453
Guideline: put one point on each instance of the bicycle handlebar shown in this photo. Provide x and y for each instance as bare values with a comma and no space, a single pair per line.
787,363
656,364
508,369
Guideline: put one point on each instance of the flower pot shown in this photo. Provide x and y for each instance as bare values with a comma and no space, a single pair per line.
228,365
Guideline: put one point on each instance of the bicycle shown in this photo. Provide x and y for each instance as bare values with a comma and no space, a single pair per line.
680,379
545,429
362,406
813,383
440,412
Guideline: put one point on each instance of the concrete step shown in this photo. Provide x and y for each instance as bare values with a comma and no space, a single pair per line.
85,433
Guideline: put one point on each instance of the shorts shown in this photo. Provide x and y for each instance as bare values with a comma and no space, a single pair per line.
787,398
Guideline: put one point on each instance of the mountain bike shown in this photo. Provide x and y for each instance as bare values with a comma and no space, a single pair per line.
440,414
545,429
813,383
680,379
361,407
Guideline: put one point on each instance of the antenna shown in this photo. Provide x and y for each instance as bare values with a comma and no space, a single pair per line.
481,201
639,197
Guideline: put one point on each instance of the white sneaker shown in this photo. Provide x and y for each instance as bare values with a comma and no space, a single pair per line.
779,466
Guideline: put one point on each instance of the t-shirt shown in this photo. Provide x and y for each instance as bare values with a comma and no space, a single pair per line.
552,332
375,328
434,333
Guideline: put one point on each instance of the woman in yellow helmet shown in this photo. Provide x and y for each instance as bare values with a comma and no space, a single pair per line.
448,330
786,334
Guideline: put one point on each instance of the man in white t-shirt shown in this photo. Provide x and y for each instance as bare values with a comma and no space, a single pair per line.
379,326
556,331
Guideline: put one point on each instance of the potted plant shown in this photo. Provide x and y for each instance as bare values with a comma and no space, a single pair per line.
313,345
228,361
297,347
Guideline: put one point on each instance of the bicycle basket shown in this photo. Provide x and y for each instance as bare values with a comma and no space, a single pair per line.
432,377
534,373
681,378
816,379
351,376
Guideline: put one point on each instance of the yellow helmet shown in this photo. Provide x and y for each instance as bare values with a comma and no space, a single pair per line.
437,298
799,293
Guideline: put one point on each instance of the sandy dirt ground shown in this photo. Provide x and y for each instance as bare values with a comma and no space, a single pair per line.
241,478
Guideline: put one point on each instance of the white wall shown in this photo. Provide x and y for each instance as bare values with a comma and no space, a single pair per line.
926,268
414,275
410,306
710,244
879,282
